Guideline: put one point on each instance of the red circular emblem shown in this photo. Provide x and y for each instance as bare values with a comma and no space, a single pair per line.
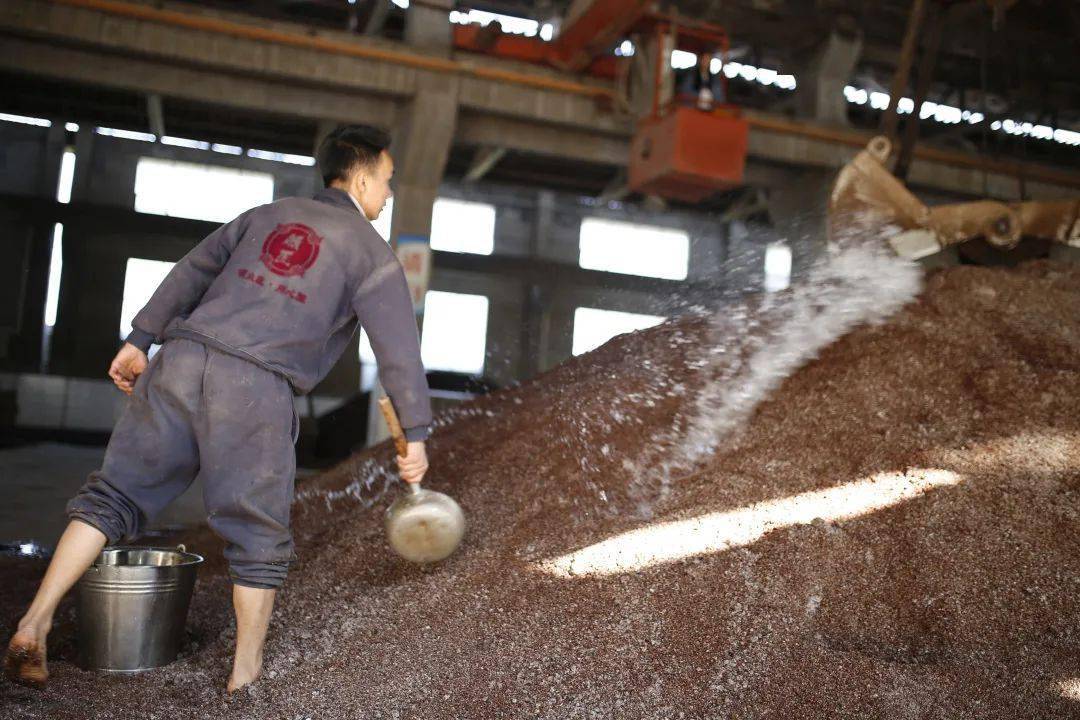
290,249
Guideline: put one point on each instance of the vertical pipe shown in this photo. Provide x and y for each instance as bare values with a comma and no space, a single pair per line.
889,120
922,86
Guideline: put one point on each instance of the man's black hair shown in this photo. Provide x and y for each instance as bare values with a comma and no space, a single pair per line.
350,147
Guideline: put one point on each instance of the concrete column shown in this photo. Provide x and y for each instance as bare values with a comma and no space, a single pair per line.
55,146
707,253
534,330
799,214
27,273
820,95
343,380
559,329
427,26
84,151
420,149
87,331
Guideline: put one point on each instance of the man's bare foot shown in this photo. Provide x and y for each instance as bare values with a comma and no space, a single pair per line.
243,676
25,662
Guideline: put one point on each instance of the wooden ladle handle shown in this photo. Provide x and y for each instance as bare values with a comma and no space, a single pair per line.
392,422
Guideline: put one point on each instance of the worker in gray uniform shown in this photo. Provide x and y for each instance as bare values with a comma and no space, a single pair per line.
258,312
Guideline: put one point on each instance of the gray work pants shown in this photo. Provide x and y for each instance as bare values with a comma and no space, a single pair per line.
197,410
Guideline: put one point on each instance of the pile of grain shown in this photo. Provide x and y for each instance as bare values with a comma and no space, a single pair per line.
958,600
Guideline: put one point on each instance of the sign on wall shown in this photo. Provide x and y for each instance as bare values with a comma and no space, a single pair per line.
414,252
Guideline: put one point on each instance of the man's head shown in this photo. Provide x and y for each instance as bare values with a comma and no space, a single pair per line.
705,61
356,159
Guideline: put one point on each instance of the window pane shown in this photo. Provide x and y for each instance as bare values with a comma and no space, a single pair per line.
141,279
454,338
201,192
455,332
382,224
369,371
67,177
777,266
56,269
460,226
594,327
632,249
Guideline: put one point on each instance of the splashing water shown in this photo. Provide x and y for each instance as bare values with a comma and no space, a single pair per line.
757,343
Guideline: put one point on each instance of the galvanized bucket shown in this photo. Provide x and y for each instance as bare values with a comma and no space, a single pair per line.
132,607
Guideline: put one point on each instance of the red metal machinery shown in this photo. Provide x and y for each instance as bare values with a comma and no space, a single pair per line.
678,151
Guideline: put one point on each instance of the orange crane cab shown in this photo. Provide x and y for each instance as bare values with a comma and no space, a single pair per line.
679,152
688,154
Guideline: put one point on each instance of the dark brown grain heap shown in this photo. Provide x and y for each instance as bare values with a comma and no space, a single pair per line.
961,603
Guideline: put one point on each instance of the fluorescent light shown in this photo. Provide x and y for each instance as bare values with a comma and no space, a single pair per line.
748,73
282,157
126,134
786,82
510,24
879,100
227,149
24,120
185,142
680,59
71,127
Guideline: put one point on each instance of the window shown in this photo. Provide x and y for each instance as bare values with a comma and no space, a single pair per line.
56,260
56,269
594,327
369,370
633,249
462,226
777,266
201,192
455,332
454,337
67,177
382,224
141,279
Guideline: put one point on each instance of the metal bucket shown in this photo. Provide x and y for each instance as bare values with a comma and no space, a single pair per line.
132,607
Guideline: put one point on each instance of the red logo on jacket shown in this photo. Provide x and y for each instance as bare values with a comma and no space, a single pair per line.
290,249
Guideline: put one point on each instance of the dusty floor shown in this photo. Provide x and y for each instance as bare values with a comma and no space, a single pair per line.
798,592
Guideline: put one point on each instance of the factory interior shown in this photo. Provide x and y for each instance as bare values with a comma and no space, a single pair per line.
751,330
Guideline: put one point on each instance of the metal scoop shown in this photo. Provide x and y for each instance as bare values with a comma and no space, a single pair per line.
423,525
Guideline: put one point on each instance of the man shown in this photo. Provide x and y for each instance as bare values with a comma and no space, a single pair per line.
699,85
259,311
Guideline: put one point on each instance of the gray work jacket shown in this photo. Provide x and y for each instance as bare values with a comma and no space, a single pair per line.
284,286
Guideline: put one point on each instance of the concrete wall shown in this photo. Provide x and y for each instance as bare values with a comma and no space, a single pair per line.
530,323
